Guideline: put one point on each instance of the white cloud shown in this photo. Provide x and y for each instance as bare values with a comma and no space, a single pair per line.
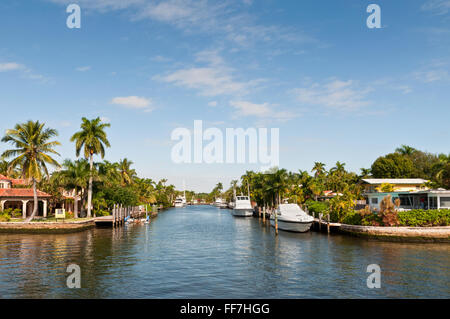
432,75
220,17
439,7
134,102
83,68
160,58
335,94
213,80
265,110
23,70
10,66
212,103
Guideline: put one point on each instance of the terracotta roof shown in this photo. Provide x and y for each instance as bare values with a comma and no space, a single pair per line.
3,177
21,192
17,181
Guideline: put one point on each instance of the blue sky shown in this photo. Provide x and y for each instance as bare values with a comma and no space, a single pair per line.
337,90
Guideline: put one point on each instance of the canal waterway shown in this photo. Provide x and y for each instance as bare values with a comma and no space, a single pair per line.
205,252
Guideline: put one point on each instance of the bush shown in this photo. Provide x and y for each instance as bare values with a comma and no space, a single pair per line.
101,212
4,217
353,218
69,215
424,218
16,213
317,207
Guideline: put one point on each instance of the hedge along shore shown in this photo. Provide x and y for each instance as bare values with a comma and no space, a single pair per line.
399,234
46,227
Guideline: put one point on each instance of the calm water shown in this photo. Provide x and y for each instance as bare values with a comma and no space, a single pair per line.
204,252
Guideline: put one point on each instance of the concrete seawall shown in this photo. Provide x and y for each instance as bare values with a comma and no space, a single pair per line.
402,234
46,227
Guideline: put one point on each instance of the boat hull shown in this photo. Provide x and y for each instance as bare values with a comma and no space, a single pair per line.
245,212
292,226
179,205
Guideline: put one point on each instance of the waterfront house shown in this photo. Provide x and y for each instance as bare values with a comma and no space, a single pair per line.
372,185
15,194
412,193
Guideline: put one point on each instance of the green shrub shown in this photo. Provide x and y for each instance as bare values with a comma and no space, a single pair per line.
101,212
423,218
317,207
4,217
16,213
352,218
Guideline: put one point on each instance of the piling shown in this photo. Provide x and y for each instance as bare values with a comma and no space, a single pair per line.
328,223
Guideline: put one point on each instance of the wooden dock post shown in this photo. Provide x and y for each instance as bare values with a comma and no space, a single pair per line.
276,222
328,223
320,221
264,214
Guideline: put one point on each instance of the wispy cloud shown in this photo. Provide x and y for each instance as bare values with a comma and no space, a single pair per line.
23,70
214,79
335,95
83,68
231,19
438,70
439,7
11,66
134,102
264,110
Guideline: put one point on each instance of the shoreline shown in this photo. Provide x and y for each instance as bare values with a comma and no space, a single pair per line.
46,227
435,234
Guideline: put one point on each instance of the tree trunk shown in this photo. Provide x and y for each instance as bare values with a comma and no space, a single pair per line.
35,200
75,204
91,163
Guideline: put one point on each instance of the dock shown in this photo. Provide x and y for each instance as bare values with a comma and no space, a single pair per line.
118,215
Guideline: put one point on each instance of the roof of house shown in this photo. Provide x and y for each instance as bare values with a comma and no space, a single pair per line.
408,181
21,192
4,178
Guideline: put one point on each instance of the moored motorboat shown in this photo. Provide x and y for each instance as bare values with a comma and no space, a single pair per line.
290,217
243,207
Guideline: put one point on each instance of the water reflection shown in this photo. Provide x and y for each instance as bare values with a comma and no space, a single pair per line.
204,252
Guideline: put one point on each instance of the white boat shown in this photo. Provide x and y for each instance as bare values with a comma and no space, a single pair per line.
291,217
231,205
180,202
218,202
242,207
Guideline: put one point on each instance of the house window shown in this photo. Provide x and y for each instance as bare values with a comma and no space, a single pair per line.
375,201
433,202
445,202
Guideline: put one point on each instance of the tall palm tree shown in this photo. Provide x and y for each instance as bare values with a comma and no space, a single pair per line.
93,138
32,142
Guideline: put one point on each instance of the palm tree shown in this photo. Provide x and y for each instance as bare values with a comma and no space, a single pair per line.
319,169
405,150
32,146
93,138
126,172
109,173
75,176
365,172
